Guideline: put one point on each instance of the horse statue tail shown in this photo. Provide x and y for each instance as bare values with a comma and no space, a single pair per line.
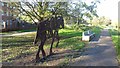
36,37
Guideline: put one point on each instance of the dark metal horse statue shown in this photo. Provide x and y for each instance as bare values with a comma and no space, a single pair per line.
48,29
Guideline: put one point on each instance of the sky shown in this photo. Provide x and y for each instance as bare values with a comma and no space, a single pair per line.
109,8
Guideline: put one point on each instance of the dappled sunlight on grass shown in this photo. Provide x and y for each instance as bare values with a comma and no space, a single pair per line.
15,46
97,30
66,30
74,43
70,33
18,47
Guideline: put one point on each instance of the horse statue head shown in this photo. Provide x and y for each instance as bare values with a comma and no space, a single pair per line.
60,22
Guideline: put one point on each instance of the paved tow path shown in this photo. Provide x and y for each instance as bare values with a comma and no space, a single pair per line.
99,52
18,34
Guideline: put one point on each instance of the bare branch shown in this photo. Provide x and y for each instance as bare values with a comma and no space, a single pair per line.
33,13
28,13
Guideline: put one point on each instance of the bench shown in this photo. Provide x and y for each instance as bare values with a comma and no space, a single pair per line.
87,35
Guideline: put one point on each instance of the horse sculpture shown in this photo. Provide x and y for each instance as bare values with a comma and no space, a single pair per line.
48,29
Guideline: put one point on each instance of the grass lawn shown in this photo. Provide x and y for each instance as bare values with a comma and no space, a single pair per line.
97,30
16,46
13,47
116,38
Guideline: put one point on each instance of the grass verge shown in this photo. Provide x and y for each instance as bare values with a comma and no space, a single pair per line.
115,37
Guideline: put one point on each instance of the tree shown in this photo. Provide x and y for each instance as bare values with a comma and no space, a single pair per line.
101,21
38,11
82,11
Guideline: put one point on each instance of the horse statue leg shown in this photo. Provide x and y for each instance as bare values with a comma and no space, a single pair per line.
41,48
43,52
36,37
58,38
35,40
53,38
